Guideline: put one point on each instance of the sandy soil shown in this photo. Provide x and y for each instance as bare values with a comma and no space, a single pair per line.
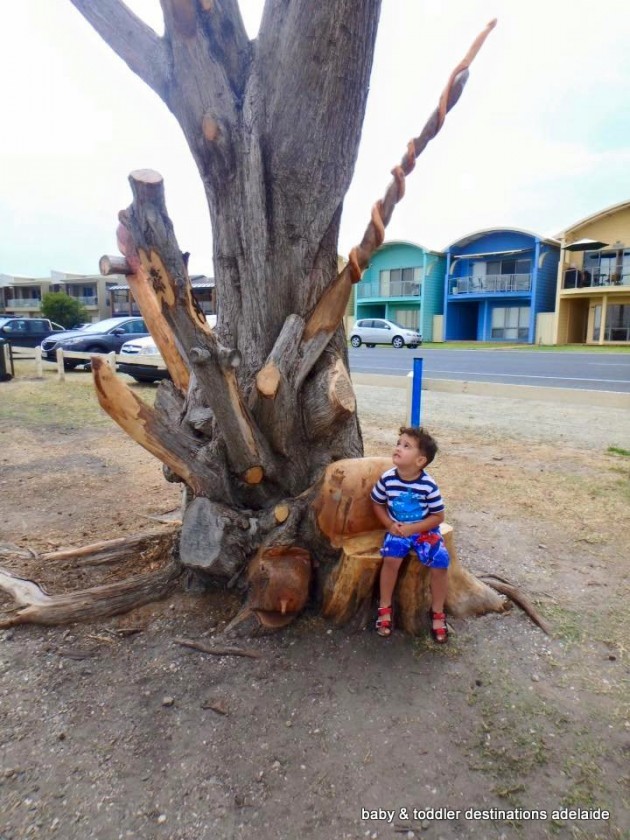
106,729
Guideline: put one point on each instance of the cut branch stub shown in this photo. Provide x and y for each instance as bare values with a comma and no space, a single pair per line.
113,264
330,399
176,448
275,403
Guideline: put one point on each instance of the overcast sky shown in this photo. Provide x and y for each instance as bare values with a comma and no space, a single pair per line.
540,138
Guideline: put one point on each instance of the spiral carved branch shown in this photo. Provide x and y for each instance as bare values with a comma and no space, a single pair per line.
382,210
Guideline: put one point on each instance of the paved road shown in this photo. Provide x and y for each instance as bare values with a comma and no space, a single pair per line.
585,371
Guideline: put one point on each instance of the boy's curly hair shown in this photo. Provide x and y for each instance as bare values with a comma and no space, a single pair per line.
426,443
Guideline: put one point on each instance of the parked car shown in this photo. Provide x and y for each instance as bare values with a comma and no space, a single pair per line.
373,331
144,362
101,337
27,332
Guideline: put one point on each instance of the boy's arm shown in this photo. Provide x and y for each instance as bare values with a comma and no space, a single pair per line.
427,524
380,511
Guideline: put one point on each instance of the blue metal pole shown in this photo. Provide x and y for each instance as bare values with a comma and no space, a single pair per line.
416,391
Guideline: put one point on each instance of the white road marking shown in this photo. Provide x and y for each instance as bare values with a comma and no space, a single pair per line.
468,373
525,376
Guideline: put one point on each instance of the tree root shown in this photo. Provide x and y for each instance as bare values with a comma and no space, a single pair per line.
514,594
34,604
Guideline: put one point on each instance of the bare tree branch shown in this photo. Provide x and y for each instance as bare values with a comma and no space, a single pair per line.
135,42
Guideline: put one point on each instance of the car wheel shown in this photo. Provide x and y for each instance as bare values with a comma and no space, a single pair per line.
370,345
355,341
398,342
144,380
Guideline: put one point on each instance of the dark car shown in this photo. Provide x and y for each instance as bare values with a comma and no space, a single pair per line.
102,337
27,332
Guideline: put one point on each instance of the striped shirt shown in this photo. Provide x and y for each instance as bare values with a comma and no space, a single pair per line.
407,501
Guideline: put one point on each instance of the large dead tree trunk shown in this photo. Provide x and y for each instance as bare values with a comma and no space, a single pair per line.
260,407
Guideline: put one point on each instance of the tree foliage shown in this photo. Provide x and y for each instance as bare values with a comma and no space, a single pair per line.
63,309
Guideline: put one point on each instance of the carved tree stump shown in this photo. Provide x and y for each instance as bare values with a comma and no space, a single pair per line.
345,515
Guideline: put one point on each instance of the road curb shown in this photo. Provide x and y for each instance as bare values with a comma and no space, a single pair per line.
573,396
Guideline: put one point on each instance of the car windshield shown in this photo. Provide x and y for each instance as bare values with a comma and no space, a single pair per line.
102,326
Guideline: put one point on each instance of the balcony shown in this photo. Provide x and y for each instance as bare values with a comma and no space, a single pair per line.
491,284
391,289
576,279
23,303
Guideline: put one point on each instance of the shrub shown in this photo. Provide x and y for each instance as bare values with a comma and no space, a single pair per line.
63,309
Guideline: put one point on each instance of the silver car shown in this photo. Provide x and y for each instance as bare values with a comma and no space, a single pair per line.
373,331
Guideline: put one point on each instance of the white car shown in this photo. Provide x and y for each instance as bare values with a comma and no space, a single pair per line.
148,365
373,331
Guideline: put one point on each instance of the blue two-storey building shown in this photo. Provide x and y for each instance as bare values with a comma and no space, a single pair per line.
497,282
403,283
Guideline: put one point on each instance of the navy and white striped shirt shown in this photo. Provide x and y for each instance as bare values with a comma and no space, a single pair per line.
407,501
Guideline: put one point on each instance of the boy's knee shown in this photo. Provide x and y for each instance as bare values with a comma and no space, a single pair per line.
392,562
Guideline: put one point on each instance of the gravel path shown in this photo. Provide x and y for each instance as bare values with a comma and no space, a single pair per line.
588,427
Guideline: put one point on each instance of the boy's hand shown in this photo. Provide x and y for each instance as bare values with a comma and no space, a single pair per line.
396,529
407,530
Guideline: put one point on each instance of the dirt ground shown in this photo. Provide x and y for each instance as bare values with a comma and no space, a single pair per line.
106,729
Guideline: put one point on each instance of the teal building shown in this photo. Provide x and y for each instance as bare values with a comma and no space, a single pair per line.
404,283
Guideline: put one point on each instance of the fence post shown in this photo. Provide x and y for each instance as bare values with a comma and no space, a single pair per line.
61,371
39,372
416,392
111,360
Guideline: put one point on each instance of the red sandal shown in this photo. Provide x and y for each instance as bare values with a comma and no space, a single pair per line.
440,634
385,621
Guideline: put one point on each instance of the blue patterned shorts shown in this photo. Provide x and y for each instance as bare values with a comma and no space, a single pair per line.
429,548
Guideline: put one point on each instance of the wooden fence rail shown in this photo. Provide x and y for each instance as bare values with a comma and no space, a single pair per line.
34,354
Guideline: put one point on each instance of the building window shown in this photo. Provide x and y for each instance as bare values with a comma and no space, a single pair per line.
509,266
607,268
510,323
407,318
400,282
617,323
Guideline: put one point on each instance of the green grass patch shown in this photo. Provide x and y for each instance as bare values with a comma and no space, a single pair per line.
566,624
618,450
42,403
586,788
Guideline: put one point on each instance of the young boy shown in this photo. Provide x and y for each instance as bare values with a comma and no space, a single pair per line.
408,503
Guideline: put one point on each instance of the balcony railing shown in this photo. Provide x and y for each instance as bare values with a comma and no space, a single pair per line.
86,300
576,279
393,289
491,284
23,303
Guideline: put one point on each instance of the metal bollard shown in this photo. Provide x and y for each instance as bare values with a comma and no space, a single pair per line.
416,392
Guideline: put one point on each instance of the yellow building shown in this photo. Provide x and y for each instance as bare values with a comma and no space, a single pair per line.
593,291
